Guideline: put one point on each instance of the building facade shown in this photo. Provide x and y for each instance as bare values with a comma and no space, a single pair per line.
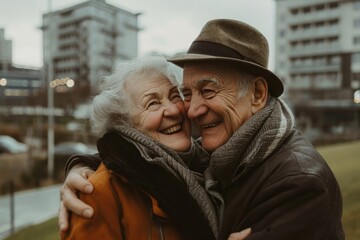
82,42
5,48
17,83
317,55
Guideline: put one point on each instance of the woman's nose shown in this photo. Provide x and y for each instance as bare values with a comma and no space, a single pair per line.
171,109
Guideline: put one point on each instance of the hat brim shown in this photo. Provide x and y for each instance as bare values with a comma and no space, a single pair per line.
276,86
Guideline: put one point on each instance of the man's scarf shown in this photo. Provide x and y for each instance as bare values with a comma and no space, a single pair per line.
252,143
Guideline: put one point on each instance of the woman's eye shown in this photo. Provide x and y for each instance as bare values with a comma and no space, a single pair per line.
208,93
153,105
175,98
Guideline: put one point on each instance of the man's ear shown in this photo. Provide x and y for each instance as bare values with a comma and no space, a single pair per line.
260,94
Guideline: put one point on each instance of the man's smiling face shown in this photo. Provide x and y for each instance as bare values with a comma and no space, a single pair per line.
212,101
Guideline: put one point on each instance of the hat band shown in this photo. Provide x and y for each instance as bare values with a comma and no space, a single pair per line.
215,49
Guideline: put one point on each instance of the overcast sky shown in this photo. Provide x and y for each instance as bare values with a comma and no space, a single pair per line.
168,26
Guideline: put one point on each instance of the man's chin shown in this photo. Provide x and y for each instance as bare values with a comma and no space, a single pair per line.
211,139
210,145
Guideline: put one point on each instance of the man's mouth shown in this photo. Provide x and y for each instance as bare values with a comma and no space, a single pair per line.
172,130
210,125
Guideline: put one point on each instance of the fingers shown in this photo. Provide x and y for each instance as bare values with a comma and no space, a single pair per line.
240,235
86,172
72,203
78,181
74,182
63,219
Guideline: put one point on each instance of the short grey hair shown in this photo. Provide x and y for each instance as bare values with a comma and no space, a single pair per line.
244,78
112,105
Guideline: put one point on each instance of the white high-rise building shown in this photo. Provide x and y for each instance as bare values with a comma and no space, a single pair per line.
82,42
317,55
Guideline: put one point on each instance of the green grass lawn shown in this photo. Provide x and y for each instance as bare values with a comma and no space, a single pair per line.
45,231
343,159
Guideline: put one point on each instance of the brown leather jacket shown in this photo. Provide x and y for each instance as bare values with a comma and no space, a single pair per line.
292,195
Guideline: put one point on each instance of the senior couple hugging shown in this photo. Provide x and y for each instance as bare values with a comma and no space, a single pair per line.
250,175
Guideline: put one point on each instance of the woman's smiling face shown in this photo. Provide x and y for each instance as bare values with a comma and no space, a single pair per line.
158,110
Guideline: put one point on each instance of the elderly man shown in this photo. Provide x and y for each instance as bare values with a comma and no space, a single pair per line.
271,179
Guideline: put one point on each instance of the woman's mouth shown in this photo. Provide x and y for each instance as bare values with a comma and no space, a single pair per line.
172,130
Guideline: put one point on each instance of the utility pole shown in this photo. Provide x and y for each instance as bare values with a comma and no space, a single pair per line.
50,77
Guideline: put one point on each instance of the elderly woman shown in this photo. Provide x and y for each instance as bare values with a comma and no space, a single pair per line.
143,188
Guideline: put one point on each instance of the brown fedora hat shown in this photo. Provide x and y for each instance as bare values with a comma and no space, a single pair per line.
236,42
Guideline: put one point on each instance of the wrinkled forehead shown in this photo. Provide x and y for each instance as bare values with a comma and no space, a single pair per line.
196,72
143,82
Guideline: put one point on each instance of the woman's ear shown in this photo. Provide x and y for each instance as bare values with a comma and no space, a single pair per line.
260,94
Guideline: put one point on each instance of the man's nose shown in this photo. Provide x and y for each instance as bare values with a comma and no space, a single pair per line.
197,107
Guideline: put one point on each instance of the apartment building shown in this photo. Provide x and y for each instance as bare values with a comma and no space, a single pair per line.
317,54
17,83
83,41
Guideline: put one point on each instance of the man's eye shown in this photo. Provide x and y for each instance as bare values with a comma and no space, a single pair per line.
187,95
208,93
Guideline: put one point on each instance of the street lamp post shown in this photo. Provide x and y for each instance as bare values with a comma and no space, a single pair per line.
50,166
54,84
50,90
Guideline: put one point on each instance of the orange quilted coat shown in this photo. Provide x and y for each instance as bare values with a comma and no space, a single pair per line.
122,211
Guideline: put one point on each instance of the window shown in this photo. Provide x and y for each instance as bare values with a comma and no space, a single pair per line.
294,11
282,48
356,40
355,57
320,7
18,82
357,22
283,17
282,33
307,9
333,5
16,92
356,76
35,84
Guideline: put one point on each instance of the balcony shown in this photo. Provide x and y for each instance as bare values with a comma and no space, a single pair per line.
70,64
314,16
323,94
311,50
314,33
314,68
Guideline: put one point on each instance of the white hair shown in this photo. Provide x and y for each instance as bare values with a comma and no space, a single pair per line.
244,78
112,105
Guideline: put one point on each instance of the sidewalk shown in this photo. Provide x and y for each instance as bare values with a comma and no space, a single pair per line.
31,207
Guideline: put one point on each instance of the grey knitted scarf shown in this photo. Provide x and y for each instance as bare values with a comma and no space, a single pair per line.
156,153
252,143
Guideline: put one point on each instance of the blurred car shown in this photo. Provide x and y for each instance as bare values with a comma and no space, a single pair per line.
71,148
62,152
9,144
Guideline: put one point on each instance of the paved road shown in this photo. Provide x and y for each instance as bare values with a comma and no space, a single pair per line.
31,207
